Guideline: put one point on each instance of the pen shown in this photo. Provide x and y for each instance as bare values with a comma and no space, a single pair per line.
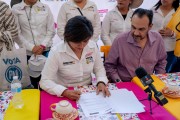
94,113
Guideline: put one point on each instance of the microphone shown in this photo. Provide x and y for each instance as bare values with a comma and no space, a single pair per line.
147,80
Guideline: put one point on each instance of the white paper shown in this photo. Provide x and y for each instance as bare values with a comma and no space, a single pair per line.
120,101
93,104
124,101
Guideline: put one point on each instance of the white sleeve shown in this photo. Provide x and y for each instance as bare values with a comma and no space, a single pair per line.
61,22
50,28
105,35
29,46
98,68
96,26
49,75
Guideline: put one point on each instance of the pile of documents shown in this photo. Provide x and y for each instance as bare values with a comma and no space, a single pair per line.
120,101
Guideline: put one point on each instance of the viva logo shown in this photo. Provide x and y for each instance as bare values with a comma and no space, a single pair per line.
13,69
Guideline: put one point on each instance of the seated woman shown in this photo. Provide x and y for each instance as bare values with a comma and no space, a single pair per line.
71,63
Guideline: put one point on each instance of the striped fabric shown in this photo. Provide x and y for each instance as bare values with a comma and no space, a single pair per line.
8,27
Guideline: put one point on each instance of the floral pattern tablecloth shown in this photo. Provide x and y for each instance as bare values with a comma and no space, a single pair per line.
5,98
170,77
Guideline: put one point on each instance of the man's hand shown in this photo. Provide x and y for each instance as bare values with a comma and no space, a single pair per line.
102,88
72,94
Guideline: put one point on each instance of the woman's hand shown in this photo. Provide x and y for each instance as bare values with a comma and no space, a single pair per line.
166,32
102,88
72,94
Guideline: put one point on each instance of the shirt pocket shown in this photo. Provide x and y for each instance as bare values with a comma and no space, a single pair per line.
41,18
70,69
23,18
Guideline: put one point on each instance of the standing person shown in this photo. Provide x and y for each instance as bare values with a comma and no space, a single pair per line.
71,63
139,47
73,8
163,12
118,20
36,29
8,27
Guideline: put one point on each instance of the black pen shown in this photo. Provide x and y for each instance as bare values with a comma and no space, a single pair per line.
94,113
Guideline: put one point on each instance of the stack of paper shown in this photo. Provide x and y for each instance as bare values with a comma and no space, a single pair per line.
120,101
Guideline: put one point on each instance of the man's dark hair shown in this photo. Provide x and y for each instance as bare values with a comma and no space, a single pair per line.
77,29
175,4
140,12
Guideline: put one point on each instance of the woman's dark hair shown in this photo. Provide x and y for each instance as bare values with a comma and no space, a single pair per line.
140,12
77,29
175,4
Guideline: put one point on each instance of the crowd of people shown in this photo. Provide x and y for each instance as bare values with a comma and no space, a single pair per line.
138,38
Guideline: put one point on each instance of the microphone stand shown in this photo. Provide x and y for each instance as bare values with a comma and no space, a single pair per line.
147,90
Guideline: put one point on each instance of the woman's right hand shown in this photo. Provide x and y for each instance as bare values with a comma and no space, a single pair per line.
72,94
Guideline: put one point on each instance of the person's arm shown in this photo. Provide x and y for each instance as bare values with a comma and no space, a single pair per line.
10,26
100,73
61,22
98,68
49,75
161,64
105,34
50,28
111,62
96,25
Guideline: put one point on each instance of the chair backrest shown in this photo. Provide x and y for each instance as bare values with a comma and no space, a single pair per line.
105,50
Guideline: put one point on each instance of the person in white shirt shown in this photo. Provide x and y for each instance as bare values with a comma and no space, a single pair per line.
118,20
36,28
73,8
163,12
71,63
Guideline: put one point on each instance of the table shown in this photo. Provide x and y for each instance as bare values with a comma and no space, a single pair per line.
159,113
173,105
30,110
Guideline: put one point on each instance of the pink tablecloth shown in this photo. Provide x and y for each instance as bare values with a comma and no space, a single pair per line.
47,100
159,113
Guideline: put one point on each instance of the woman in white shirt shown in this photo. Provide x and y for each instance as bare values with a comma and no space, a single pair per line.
73,8
118,20
163,12
71,63
36,28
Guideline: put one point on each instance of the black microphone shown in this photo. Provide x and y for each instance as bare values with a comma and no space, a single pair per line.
147,80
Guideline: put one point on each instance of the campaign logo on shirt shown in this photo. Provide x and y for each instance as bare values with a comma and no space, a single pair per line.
91,8
68,63
38,9
89,59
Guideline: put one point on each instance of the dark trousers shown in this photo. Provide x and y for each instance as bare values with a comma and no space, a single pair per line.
176,67
171,61
35,81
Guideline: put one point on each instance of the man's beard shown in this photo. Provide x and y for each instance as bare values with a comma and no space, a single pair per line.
137,37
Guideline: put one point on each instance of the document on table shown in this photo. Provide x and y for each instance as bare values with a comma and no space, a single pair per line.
120,101
93,104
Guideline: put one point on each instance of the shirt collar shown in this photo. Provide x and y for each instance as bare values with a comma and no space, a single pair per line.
88,4
151,38
23,4
116,10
